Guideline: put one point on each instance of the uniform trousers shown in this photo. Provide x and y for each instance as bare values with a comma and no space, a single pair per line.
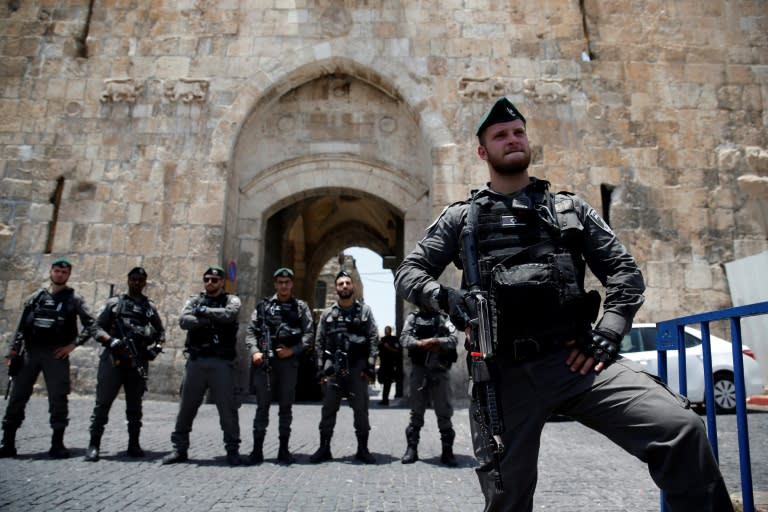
283,386
57,384
434,384
109,380
630,407
201,374
358,401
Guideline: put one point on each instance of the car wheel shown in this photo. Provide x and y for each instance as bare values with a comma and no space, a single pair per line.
725,392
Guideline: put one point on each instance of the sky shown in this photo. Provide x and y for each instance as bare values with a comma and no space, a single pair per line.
378,285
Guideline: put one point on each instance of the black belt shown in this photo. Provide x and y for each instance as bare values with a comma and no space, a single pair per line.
525,349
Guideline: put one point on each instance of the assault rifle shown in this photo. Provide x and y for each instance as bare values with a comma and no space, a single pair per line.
136,360
339,361
14,367
266,348
484,406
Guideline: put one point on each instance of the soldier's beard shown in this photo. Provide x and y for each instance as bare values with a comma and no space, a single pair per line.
505,167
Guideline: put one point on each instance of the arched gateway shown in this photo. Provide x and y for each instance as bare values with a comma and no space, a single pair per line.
331,155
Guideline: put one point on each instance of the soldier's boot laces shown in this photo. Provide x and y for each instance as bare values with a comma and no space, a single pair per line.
58,450
283,454
8,444
175,457
134,448
257,454
92,453
411,454
323,453
447,456
233,458
363,455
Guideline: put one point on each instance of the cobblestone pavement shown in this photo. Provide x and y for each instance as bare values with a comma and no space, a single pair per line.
578,470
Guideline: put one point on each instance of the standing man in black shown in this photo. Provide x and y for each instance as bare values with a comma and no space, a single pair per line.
46,335
431,342
347,337
390,362
136,335
210,320
524,252
286,322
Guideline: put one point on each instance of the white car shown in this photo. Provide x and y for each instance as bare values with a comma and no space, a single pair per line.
639,345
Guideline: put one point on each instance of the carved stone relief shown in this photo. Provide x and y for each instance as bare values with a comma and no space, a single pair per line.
120,90
187,90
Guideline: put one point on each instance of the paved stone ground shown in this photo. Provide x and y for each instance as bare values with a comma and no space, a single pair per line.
578,470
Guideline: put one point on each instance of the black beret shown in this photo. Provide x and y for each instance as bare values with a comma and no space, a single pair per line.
343,273
502,111
137,271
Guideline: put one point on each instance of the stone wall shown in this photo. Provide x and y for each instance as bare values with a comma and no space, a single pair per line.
120,122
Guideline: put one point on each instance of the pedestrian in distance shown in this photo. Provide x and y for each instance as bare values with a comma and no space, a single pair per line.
134,337
210,320
280,329
536,345
390,363
431,340
47,333
347,339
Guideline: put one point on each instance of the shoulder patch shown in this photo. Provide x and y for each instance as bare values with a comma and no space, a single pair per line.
597,219
442,213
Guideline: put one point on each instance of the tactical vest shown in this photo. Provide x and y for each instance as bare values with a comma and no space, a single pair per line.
215,339
424,326
283,320
530,262
52,318
133,318
347,330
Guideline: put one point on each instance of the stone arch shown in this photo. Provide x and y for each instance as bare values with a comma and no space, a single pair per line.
262,191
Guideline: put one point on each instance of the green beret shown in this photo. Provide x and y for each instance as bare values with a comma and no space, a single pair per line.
214,270
502,111
61,262
283,272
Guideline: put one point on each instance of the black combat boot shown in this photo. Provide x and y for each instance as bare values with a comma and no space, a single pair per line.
233,457
412,438
92,453
134,448
446,437
363,455
283,454
257,455
175,457
8,444
58,450
324,452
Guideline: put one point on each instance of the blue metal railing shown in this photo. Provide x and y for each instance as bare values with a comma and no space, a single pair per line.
671,337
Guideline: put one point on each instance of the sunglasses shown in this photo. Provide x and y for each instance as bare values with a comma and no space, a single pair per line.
211,279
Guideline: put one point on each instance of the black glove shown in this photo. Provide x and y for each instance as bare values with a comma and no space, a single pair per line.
370,371
153,351
453,302
116,343
604,346
201,310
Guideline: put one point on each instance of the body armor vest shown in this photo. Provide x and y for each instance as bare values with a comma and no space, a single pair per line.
283,320
347,331
424,326
531,264
215,339
52,319
134,318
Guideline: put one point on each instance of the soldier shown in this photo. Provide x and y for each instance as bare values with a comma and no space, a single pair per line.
346,349
46,335
431,342
524,251
136,335
279,331
210,320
